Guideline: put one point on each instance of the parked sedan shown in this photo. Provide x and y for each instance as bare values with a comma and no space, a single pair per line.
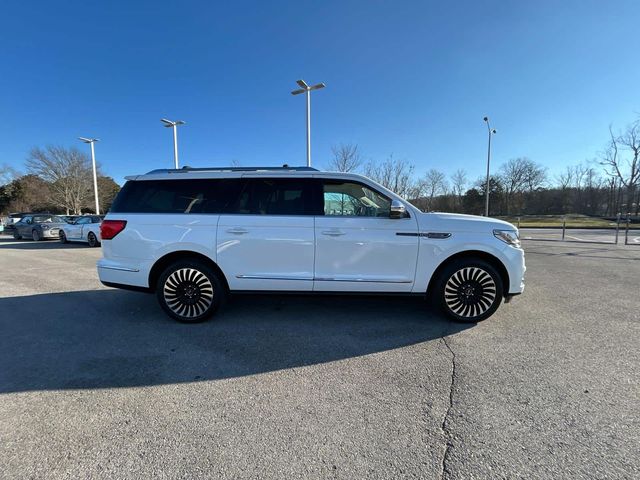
83,229
39,226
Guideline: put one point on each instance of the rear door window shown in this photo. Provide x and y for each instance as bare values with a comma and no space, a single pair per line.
279,196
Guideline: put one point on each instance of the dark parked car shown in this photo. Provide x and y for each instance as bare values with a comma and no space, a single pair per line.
39,226
12,219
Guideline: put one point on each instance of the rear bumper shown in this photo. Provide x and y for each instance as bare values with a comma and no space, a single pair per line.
114,273
127,287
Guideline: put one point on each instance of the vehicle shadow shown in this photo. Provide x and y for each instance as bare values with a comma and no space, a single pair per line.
28,244
113,338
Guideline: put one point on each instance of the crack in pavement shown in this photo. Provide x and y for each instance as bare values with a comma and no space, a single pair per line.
445,420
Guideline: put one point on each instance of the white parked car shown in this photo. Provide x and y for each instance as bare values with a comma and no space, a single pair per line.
194,235
83,229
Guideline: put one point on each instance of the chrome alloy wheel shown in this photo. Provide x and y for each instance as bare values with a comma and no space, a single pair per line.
470,292
188,292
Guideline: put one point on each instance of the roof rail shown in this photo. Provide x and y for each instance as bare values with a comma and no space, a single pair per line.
185,169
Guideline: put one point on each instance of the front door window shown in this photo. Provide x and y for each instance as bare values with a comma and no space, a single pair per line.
354,200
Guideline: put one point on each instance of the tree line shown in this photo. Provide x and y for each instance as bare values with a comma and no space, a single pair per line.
604,186
57,180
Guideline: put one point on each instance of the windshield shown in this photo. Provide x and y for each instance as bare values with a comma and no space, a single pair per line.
47,219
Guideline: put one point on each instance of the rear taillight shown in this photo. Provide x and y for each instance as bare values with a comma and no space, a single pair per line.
111,228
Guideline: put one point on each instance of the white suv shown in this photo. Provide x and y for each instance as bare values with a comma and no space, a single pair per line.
192,236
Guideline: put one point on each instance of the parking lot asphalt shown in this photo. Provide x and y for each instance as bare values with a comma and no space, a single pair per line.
99,383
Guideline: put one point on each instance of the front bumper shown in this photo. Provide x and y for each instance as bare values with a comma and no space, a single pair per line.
517,269
51,233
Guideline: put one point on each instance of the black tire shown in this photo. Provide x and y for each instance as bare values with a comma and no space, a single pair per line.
93,241
469,290
16,235
63,237
35,235
189,291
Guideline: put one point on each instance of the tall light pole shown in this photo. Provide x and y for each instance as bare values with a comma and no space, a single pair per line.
174,125
91,141
307,89
491,132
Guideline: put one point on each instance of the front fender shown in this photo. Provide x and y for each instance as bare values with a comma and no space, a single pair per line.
434,252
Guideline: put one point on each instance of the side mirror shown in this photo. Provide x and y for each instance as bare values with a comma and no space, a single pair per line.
398,210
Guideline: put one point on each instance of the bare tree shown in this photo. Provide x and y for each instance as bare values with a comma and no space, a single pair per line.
565,179
519,175
459,183
68,172
7,174
396,175
433,183
346,158
536,176
621,159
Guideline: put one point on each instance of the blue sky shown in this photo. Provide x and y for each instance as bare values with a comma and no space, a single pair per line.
408,78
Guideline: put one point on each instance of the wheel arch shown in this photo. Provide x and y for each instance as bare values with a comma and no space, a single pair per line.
468,254
164,261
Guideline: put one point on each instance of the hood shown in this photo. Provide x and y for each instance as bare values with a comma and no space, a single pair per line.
458,222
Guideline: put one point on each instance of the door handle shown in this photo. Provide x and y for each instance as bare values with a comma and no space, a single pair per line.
237,230
333,233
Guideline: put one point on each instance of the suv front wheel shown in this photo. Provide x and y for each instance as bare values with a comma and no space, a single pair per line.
469,290
190,291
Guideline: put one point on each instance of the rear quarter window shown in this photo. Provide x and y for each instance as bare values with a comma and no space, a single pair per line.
177,196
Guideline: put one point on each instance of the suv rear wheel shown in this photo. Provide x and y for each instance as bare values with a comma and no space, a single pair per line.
469,290
190,291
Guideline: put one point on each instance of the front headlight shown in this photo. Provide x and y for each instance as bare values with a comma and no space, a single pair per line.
508,236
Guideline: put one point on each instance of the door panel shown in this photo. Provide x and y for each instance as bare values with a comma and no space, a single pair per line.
266,242
264,252
365,254
358,247
75,229
24,228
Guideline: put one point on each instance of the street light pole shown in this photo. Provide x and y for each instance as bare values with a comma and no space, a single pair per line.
91,141
307,89
308,128
174,125
491,132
